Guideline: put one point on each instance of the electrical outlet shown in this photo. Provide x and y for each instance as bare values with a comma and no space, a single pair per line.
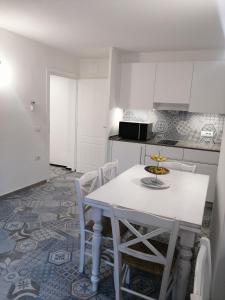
207,133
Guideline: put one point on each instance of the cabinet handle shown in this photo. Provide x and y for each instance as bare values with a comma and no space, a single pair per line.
140,155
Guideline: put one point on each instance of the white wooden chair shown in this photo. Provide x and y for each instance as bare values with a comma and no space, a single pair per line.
108,171
85,185
141,251
203,272
180,166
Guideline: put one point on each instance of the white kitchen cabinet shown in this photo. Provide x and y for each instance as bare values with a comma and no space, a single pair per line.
127,154
208,87
201,156
173,82
210,170
137,85
171,153
206,162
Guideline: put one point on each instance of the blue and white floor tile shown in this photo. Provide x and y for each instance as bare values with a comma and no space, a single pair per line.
39,247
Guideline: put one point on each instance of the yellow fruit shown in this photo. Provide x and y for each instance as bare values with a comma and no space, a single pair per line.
158,157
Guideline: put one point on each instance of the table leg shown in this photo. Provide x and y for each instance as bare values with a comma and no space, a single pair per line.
96,247
186,243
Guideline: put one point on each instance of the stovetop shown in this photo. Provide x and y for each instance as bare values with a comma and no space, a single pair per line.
167,142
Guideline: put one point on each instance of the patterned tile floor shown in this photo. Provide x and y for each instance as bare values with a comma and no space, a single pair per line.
56,171
39,246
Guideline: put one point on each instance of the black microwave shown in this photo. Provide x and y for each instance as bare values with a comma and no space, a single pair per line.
135,131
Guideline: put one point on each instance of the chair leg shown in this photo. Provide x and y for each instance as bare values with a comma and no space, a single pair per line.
127,278
117,277
118,292
82,252
173,293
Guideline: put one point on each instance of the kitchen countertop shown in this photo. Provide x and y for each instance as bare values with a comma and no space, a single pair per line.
179,144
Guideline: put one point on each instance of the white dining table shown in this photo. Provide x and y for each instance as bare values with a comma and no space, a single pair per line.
184,200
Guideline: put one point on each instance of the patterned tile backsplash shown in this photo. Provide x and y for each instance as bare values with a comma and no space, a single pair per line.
180,125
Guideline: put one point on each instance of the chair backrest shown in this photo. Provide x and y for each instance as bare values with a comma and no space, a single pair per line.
155,227
176,165
108,171
84,185
203,272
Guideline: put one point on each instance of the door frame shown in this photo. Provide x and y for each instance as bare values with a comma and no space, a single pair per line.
57,72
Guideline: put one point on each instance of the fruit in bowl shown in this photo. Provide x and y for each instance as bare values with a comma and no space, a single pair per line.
157,170
158,157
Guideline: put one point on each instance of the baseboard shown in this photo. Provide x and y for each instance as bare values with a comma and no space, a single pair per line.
24,188
55,165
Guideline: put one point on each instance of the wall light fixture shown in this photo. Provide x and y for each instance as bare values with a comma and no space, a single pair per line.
5,74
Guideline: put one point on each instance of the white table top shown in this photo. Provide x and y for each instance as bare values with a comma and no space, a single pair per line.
183,200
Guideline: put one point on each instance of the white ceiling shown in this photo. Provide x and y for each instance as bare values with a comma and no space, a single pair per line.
89,27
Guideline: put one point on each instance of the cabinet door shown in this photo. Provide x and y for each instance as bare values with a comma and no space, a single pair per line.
201,156
128,154
171,153
210,170
137,85
173,82
208,87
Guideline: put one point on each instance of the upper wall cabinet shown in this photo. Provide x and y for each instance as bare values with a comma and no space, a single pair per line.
137,85
173,82
208,87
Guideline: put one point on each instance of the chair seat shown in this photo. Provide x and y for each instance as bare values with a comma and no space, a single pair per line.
144,265
107,228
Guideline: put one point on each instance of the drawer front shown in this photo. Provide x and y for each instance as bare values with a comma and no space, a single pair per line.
207,157
171,153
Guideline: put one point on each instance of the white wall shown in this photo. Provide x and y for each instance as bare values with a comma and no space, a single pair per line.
217,234
24,134
93,68
115,113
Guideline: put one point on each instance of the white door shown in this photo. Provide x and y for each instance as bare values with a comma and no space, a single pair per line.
93,100
62,121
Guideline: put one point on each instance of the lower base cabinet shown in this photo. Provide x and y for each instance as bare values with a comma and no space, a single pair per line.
127,154
207,163
210,170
